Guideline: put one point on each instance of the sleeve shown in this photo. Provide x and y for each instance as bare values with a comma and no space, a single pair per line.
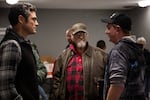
57,74
41,72
41,69
118,68
10,56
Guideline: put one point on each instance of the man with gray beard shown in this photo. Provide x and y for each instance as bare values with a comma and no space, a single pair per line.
78,68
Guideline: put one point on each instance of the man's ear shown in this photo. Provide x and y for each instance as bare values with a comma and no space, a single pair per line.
118,28
21,19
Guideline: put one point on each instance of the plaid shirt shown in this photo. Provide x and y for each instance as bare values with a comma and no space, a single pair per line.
75,78
10,56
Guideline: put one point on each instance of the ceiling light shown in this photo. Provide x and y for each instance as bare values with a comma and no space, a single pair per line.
11,2
144,3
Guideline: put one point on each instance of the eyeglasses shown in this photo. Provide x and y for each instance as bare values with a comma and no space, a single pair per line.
80,34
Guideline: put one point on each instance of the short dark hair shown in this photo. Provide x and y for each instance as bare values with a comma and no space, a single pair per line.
20,9
101,44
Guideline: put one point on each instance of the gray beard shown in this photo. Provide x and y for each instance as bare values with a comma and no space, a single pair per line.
81,44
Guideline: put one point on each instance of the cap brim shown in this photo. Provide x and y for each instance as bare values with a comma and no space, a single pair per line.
80,30
106,20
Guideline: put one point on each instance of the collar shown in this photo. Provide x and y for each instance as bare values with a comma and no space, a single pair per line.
87,52
10,30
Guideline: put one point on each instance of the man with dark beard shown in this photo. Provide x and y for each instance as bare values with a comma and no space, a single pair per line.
78,68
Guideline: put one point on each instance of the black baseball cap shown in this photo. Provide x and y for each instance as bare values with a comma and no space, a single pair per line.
119,19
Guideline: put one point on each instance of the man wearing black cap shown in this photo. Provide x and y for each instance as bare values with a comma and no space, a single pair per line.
125,68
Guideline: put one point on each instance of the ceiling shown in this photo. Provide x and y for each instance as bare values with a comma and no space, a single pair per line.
80,4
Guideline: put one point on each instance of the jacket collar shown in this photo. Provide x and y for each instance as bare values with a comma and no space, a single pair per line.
10,31
87,52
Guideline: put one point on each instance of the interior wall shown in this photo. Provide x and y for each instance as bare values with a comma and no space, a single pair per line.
53,23
50,38
141,23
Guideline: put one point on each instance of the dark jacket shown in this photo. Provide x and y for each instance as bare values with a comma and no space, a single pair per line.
128,66
26,77
147,58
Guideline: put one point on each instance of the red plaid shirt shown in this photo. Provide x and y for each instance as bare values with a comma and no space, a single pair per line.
75,77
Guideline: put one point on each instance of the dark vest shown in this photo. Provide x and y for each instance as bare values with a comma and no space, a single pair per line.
26,76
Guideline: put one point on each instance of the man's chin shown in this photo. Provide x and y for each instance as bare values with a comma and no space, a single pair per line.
81,47
34,32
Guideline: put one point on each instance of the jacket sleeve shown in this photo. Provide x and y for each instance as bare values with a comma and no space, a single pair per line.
57,74
41,72
10,57
41,69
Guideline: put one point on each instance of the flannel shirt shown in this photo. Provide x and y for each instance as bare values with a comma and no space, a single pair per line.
10,56
75,78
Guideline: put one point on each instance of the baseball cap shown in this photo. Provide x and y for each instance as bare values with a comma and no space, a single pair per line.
79,27
119,19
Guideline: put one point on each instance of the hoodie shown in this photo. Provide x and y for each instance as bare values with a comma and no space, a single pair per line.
126,65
